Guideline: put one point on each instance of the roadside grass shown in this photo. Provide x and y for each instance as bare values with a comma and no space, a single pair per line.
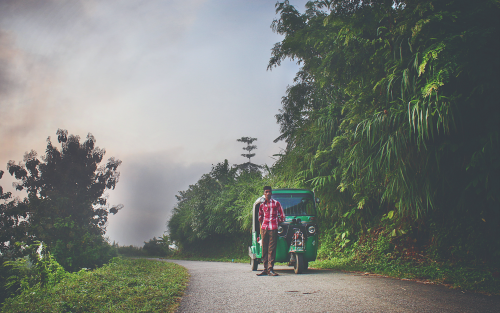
227,253
210,259
456,276
123,285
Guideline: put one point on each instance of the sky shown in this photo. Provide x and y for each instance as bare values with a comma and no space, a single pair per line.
166,86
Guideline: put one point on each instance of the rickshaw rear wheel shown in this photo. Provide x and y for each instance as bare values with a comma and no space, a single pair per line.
254,263
298,267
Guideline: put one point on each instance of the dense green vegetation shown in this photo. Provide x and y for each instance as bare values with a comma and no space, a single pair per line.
393,120
121,286
395,110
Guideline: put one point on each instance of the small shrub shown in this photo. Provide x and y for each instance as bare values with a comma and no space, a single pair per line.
130,251
37,268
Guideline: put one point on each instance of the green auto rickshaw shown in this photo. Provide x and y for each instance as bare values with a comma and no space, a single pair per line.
297,236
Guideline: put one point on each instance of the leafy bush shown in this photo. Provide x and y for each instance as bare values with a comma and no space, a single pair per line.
157,247
90,251
130,251
37,268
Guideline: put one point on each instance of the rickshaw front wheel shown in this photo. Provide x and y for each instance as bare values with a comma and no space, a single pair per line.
254,263
298,266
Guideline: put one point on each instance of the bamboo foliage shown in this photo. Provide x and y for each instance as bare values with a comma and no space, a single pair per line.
407,107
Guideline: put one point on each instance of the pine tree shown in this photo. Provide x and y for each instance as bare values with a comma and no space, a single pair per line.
248,166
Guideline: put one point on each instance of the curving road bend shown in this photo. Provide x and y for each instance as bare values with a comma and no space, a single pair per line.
234,287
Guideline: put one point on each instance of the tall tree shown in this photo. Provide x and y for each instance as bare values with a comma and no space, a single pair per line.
66,206
249,147
248,166
12,223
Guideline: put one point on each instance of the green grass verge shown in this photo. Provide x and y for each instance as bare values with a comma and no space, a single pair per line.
123,285
210,259
452,275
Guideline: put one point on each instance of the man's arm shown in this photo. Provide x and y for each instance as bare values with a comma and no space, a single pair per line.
261,215
281,212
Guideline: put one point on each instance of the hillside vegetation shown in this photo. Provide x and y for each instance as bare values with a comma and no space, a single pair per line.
393,120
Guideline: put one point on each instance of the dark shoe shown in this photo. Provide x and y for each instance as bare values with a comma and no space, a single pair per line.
272,273
263,273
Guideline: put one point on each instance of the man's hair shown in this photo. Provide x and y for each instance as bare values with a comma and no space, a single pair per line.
268,188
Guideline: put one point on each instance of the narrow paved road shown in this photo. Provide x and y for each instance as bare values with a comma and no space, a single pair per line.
233,287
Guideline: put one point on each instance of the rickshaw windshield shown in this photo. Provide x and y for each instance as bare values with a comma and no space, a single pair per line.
296,204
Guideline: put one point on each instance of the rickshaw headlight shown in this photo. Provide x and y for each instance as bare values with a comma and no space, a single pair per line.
311,229
280,230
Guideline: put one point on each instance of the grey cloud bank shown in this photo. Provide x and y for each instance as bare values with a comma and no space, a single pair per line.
148,188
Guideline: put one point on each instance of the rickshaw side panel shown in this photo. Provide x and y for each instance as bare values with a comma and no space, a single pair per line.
256,248
311,248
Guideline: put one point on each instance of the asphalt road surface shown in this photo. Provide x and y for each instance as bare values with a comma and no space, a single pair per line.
234,287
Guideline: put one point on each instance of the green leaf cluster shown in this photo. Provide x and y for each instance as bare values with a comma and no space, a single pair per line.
37,268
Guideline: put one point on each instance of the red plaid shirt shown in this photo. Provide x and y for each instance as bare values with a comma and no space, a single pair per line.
270,213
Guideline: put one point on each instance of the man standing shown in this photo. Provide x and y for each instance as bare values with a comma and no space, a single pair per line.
270,213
